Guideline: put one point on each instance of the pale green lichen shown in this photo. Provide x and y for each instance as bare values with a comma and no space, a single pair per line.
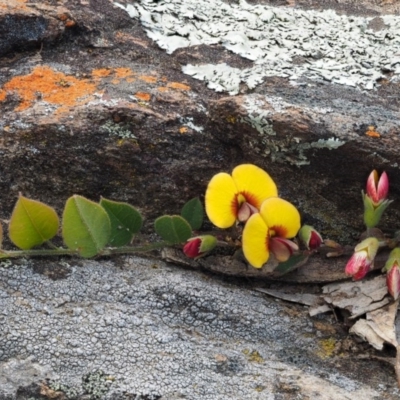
118,130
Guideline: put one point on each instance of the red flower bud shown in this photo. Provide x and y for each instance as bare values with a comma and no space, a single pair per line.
393,281
392,267
199,246
310,237
361,262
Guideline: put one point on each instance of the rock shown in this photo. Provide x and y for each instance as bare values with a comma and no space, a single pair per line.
90,104
134,327
102,111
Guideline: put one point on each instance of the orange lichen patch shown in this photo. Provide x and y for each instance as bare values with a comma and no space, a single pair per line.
148,78
19,5
123,72
177,85
164,79
162,89
101,73
63,17
130,79
115,81
3,95
183,129
143,96
52,86
372,132
69,23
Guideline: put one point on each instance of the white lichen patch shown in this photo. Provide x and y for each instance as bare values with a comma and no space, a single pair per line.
188,121
286,42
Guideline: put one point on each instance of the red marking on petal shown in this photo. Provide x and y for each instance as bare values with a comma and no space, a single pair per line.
279,230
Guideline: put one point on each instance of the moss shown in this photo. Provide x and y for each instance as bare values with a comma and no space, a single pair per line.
326,347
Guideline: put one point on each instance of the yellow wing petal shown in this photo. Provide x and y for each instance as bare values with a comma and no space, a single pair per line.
221,204
282,217
254,183
255,241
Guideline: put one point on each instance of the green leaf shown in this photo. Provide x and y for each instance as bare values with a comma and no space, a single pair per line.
294,262
86,226
193,212
173,228
126,221
32,223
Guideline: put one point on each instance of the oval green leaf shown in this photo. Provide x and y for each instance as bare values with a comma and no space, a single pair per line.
86,226
173,229
32,223
126,221
193,212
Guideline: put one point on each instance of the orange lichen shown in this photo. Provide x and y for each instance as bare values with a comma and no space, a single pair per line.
177,85
123,72
19,5
130,79
3,95
52,86
69,23
143,96
372,132
162,89
183,129
148,78
63,17
100,73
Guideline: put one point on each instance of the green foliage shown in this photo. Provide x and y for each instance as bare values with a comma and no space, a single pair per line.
125,221
32,223
295,261
173,229
86,226
193,212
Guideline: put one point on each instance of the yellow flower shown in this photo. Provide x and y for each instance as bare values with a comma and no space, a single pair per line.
268,232
237,197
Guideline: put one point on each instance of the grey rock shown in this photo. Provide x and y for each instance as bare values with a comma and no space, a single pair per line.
208,339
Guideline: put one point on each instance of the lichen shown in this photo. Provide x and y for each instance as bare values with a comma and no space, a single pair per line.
334,48
115,129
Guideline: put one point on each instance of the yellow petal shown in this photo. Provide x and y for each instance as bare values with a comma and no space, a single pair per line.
254,183
221,204
255,241
282,217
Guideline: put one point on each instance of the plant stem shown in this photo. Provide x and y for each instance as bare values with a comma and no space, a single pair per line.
130,249
60,251
38,252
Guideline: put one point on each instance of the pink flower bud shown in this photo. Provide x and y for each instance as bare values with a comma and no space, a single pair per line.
377,190
199,246
361,262
392,267
393,281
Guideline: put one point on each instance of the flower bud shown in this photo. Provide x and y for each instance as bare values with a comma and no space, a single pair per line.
375,202
392,267
377,189
362,261
310,237
199,246
393,281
